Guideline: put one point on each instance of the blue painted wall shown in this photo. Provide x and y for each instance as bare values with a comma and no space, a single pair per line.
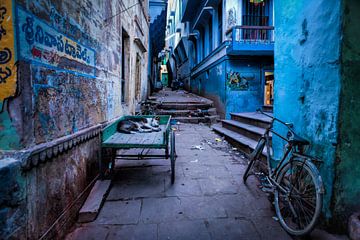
212,83
250,99
307,73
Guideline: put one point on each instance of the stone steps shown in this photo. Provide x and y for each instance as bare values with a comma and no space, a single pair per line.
247,130
253,118
207,119
184,106
268,108
245,144
244,129
186,113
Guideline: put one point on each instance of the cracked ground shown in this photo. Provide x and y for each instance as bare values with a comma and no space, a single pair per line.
207,201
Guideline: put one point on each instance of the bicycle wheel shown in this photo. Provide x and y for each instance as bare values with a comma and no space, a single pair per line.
298,204
254,157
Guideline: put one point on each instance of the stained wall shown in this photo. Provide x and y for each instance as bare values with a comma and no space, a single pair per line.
309,82
347,175
65,80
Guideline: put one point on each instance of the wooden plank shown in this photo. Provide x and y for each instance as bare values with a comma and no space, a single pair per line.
139,140
93,203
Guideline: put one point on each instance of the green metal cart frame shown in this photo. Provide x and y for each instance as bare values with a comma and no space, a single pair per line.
112,140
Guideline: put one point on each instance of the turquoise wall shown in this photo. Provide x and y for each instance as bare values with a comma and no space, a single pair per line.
307,73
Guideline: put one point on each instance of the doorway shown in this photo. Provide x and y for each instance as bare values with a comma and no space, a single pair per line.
138,78
125,62
269,88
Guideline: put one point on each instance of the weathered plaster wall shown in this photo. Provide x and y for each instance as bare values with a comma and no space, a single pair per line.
68,80
67,92
213,83
307,77
51,187
347,181
12,199
248,95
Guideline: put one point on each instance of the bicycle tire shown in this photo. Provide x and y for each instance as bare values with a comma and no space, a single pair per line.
254,157
296,202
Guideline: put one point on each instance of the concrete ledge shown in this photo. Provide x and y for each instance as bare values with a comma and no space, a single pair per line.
93,203
47,151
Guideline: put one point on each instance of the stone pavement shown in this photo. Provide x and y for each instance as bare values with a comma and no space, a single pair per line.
207,201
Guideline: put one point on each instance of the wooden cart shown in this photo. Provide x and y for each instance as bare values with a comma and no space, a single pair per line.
112,140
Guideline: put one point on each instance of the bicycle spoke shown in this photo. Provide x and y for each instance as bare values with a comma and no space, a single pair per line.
307,216
297,208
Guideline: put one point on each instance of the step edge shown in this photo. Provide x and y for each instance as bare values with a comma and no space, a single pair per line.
252,118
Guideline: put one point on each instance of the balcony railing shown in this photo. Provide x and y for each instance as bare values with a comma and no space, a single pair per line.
251,40
251,34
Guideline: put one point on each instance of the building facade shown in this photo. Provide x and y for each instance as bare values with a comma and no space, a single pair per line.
224,50
66,69
157,11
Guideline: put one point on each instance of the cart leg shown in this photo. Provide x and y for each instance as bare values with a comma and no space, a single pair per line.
167,152
172,156
105,162
113,157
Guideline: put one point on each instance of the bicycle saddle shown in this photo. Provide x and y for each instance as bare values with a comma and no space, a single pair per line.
297,140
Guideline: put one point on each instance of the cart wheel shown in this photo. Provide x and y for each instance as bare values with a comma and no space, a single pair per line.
172,156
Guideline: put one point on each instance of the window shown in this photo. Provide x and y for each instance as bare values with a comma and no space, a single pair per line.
193,54
125,58
256,13
210,36
202,35
138,78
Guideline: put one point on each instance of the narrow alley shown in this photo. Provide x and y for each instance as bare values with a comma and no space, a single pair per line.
179,119
207,201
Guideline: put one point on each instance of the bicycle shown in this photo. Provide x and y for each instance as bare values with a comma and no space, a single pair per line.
294,183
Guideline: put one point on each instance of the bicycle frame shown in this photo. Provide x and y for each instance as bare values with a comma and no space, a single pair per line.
272,172
286,180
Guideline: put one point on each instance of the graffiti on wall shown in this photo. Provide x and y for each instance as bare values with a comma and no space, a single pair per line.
237,82
7,50
231,17
40,43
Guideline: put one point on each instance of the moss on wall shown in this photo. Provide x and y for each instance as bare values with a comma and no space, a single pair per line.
347,185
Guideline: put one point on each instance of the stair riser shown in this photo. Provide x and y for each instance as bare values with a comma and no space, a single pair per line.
184,106
210,120
268,109
244,132
175,114
183,113
253,122
242,147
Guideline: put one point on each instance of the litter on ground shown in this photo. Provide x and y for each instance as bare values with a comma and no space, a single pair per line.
198,147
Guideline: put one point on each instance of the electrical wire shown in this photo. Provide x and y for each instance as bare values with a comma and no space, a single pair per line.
117,14
68,207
